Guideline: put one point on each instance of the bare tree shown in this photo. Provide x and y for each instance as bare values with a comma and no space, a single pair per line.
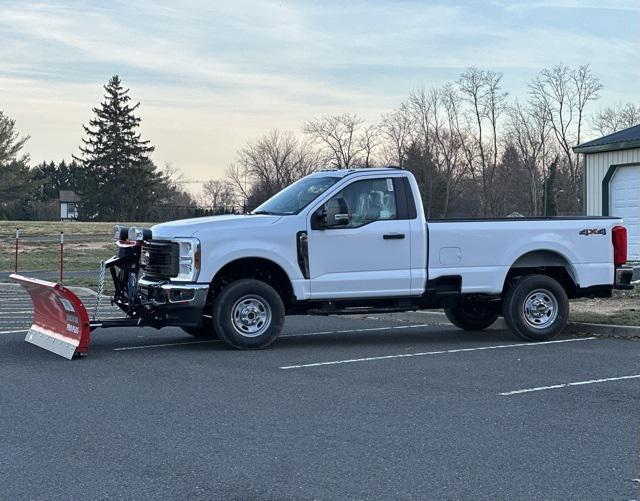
482,91
420,145
587,87
449,153
340,138
241,185
269,164
396,130
562,93
370,140
615,118
420,108
435,127
219,195
528,131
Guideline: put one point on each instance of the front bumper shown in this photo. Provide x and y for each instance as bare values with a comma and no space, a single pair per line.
175,304
623,276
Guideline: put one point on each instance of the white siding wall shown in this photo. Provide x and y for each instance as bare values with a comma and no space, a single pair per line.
597,165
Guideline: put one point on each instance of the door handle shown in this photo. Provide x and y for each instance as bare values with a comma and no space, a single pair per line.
393,236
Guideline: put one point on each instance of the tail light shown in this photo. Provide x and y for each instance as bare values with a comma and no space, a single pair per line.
619,239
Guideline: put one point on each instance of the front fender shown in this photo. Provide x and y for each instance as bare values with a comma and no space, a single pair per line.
214,260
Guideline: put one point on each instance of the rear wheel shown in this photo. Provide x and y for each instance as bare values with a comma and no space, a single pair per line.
248,314
471,315
536,308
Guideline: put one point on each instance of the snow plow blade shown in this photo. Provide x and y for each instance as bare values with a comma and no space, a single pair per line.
60,320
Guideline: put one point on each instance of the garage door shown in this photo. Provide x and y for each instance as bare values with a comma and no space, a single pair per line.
625,203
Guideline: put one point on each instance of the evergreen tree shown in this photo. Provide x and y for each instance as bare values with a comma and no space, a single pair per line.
419,162
550,208
52,178
16,180
117,177
515,194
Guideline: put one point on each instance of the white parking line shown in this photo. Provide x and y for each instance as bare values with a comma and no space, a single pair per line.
14,332
441,352
145,346
141,347
567,385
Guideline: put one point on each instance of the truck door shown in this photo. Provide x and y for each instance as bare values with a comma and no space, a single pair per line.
369,256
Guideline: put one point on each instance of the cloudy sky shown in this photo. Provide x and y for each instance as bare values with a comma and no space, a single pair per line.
213,74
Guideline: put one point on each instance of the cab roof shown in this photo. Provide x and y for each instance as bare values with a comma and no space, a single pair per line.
346,172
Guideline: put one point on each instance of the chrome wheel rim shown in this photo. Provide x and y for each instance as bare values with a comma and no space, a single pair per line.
540,309
251,316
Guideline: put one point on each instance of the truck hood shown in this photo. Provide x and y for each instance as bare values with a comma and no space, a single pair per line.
189,227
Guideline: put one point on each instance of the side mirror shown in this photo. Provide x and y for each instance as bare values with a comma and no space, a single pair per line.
333,214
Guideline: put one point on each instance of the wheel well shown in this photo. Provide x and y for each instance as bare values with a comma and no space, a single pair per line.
544,262
259,269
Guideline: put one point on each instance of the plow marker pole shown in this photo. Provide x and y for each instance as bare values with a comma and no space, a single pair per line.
15,266
61,257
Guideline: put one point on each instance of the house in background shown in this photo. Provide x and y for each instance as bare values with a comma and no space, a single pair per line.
612,180
68,205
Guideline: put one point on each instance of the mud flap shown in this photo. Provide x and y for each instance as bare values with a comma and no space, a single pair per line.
60,320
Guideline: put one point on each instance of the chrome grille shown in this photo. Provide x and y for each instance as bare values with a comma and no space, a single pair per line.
160,259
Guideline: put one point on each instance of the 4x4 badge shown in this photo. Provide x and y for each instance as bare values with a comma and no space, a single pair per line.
593,231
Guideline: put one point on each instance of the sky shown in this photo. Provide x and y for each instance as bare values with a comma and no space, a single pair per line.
212,75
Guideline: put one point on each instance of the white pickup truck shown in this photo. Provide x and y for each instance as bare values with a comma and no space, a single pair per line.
357,241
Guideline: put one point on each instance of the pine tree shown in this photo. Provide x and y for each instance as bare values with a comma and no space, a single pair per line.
118,177
16,179
550,206
52,177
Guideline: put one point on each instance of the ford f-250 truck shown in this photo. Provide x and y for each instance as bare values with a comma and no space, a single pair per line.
357,241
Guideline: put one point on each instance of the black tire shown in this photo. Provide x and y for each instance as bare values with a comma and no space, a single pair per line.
248,314
471,315
536,308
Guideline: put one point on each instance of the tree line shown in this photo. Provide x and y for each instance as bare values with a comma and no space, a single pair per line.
112,174
473,149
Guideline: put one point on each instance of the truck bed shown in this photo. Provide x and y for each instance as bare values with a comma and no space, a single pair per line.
483,250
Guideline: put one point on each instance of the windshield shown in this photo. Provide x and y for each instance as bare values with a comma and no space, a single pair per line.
296,197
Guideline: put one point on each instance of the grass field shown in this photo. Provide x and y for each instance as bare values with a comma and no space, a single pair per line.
622,309
52,229
86,244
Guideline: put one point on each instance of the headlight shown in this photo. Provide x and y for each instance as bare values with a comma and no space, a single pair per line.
137,234
189,256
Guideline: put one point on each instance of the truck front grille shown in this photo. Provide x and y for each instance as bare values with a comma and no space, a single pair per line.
160,259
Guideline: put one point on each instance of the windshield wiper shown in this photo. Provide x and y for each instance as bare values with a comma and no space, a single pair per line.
266,212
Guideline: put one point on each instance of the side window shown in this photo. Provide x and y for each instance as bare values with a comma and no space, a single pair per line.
369,200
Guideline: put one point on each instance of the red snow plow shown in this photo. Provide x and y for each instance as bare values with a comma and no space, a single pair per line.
61,322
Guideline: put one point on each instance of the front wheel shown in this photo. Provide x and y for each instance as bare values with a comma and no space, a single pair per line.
471,315
536,308
248,314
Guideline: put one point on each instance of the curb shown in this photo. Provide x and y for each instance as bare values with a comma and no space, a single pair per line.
604,330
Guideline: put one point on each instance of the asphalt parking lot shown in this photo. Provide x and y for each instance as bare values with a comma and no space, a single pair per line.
339,408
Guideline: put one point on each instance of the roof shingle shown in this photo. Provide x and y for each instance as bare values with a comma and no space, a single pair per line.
620,140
